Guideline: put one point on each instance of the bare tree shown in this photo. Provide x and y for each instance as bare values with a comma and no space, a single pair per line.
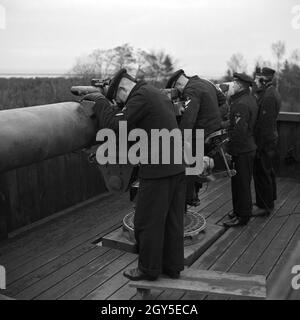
124,56
84,68
159,65
295,56
236,63
155,66
261,62
278,50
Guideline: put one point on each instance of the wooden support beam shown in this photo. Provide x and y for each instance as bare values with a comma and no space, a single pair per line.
3,297
206,281
282,289
194,248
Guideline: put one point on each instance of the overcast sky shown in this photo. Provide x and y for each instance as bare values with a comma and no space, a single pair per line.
48,35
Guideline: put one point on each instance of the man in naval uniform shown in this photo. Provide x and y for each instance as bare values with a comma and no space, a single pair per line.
202,111
159,215
266,136
242,147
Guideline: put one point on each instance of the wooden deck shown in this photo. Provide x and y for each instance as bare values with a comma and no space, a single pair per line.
59,260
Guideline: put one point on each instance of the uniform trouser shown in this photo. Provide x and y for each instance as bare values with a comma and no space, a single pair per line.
265,179
241,184
192,188
159,224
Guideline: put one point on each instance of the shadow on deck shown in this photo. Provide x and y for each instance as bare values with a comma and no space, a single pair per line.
58,260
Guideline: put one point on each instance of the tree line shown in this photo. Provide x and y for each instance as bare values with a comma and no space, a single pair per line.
288,73
153,66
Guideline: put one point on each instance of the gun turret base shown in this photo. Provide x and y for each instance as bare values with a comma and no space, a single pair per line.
195,246
194,223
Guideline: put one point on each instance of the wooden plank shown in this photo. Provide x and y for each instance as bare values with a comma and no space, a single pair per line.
43,183
262,242
48,268
294,295
13,198
215,251
288,140
33,193
82,290
112,285
3,297
203,241
69,210
63,245
289,116
212,194
191,253
250,232
281,264
282,289
205,281
78,277
244,253
42,260
4,207
17,251
236,241
272,252
121,240
58,258
267,261
216,204
226,240
39,287
25,197
117,287
124,293
205,262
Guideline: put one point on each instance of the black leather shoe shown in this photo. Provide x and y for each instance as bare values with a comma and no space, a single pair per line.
231,215
171,273
137,275
193,203
237,221
260,212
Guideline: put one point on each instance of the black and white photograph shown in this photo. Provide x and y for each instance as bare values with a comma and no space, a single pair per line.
149,153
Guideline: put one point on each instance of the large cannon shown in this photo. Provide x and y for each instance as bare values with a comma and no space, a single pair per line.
33,134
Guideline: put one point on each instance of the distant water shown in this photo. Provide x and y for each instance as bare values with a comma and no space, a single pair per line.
34,75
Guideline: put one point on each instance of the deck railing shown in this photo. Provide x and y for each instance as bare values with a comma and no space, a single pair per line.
288,163
38,191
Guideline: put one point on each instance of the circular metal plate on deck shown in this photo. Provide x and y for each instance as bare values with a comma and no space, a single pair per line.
194,223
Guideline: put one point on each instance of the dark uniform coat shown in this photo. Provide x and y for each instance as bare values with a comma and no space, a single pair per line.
269,104
146,108
161,198
266,139
243,113
202,110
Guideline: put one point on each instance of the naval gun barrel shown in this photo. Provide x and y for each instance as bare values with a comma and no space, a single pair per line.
33,134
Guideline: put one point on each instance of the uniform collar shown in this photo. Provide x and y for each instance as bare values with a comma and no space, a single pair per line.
265,88
191,79
239,94
134,89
